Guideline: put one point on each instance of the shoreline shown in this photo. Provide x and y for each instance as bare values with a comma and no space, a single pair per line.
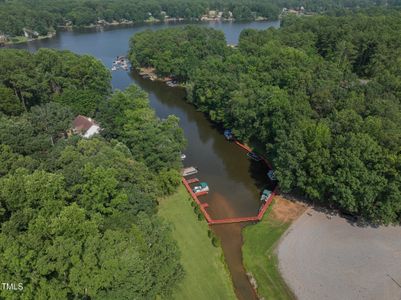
252,278
116,25
23,39
260,243
207,275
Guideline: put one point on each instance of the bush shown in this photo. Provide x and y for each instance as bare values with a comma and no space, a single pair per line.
213,238
215,241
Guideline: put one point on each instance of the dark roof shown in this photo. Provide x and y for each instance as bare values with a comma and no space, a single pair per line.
82,123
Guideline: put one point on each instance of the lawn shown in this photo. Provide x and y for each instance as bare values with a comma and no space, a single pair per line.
259,256
17,40
206,276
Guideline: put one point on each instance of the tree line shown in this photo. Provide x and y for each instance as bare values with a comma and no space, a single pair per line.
46,15
78,216
321,95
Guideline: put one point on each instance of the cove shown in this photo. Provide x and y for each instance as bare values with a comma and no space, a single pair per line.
235,181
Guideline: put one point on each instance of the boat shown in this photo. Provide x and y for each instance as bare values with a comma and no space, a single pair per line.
201,188
189,171
120,58
265,195
228,134
120,63
171,83
183,156
271,175
253,156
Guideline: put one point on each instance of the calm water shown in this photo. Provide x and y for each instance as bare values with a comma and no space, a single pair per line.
235,182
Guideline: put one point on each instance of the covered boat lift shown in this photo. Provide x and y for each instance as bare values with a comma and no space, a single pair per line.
189,171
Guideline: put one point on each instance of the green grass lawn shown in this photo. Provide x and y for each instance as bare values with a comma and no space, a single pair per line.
259,257
206,276
17,40
23,39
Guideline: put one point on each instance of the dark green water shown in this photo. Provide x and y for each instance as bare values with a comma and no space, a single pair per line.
235,182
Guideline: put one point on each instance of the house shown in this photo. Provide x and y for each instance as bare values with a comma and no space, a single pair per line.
30,34
86,127
3,39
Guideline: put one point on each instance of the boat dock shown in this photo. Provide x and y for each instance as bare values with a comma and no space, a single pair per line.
246,148
121,63
267,199
189,171
193,180
211,221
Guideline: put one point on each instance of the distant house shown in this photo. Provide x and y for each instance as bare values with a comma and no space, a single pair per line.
296,11
212,14
3,39
86,127
28,33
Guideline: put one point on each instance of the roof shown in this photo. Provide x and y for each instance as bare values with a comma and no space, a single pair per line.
82,124
95,129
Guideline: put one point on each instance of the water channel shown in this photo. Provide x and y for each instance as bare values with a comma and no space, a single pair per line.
234,180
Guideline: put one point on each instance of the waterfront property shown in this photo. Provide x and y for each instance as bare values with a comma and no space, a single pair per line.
86,127
202,189
3,39
206,276
206,146
259,249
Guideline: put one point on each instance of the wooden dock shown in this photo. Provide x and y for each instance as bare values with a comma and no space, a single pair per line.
246,148
211,221
203,206
189,171
193,180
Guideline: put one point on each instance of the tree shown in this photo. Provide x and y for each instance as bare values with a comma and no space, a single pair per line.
9,103
78,216
51,119
320,93
84,102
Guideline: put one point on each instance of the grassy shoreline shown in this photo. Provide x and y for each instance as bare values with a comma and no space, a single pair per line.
206,275
22,39
259,250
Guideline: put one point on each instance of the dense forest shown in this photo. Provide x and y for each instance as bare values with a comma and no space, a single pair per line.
43,16
78,216
321,97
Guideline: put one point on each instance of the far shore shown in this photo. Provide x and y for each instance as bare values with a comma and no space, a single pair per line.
22,39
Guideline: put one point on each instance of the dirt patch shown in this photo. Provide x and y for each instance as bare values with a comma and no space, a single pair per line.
149,71
151,74
285,210
329,258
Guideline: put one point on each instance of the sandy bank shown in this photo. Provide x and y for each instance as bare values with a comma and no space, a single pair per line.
329,258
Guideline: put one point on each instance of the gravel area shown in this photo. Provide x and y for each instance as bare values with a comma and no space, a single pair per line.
323,257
